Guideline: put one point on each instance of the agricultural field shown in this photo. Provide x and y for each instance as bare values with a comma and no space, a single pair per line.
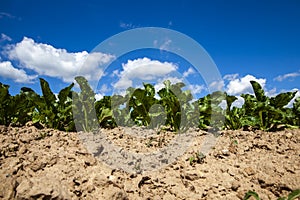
256,155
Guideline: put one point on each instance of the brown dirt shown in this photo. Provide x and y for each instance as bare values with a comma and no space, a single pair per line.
49,164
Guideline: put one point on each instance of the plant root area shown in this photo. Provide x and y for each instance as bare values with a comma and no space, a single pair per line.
50,164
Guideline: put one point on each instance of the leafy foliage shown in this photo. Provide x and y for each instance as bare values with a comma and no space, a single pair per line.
260,111
171,107
84,106
52,111
5,107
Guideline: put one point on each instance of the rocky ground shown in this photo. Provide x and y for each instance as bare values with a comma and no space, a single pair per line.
49,164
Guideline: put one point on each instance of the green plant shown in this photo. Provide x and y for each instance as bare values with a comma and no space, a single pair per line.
173,110
5,106
84,106
52,111
140,103
232,115
293,195
251,194
171,105
104,112
263,112
211,113
197,158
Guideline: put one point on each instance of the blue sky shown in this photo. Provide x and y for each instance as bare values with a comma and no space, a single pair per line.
247,40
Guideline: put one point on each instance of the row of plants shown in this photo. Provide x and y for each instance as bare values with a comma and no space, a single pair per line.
170,107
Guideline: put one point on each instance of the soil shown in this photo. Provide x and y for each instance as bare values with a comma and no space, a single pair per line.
50,164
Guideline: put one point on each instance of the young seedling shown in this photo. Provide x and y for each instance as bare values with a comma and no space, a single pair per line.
292,196
197,158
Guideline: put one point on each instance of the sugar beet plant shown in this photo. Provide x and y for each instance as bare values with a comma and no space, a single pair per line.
54,112
171,107
262,112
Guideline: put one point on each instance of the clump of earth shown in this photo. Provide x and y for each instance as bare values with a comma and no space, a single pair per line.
50,164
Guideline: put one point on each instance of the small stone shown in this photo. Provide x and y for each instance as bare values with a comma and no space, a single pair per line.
231,173
111,178
215,185
221,188
289,135
235,185
225,152
202,175
191,177
249,171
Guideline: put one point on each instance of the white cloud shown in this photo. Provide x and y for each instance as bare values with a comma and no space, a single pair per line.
5,38
98,96
216,85
238,86
163,44
286,76
46,60
196,89
230,77
271,93
7,70
238,103
104,88
115,73
143,69
188,72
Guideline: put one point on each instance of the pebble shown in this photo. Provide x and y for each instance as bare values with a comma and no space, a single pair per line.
235,185
249,171
225,152
289,135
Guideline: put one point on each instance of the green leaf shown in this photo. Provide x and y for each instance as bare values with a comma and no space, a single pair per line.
251,193
282,99
86,90
65,93
258,91
294,194
48,95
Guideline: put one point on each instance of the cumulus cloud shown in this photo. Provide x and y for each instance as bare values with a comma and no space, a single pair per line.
143,69
47,60
188,72
7,70
287,76
237,86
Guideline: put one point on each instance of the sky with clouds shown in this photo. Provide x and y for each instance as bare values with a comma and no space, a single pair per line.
55,40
